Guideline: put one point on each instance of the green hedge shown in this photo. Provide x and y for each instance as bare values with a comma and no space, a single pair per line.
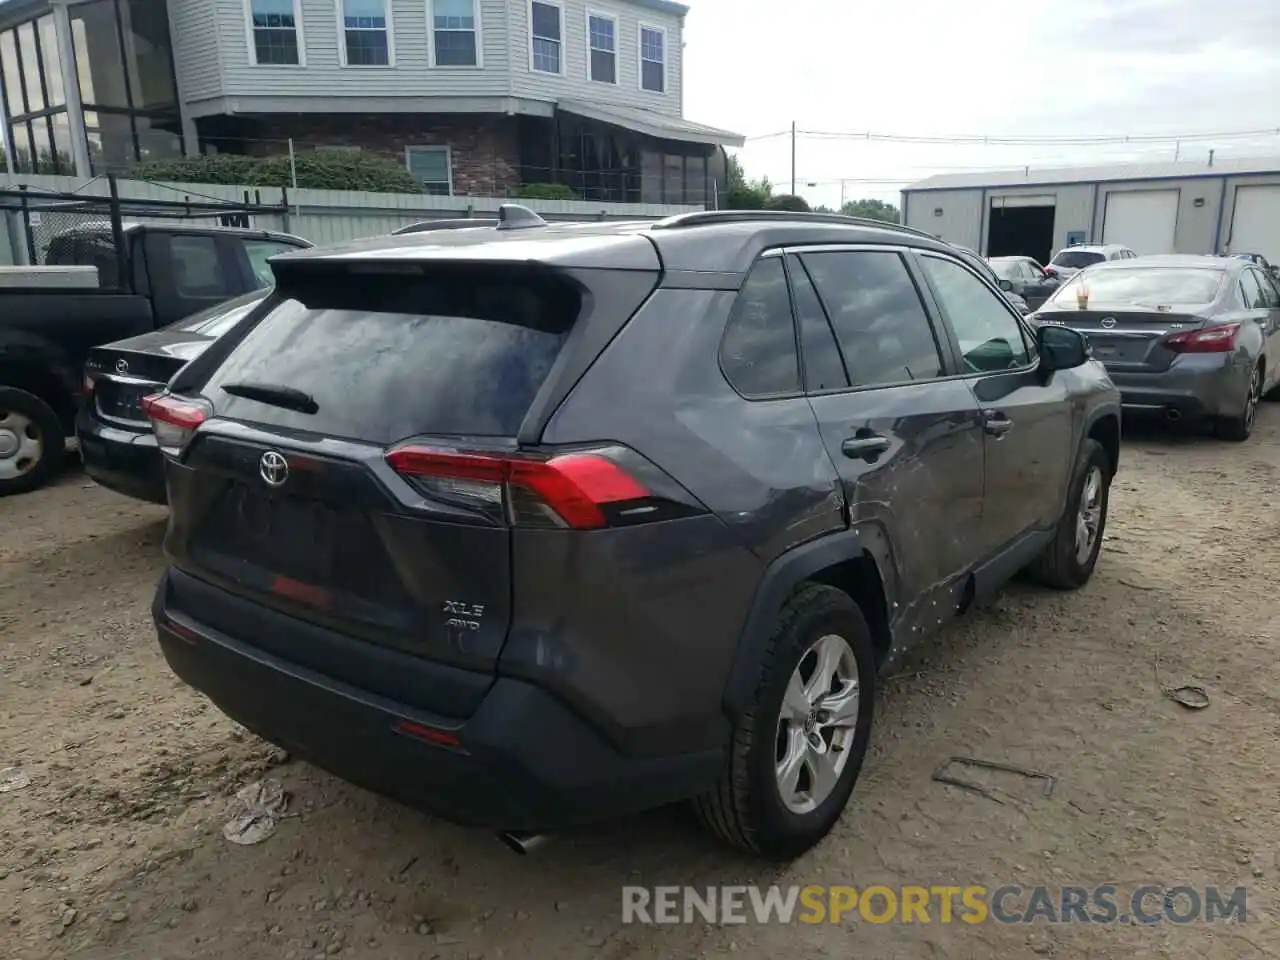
316,170
546,191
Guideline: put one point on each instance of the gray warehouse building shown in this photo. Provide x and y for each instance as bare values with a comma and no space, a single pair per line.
1227,206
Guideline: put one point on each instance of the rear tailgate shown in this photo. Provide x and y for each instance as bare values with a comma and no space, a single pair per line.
1128,340
294,507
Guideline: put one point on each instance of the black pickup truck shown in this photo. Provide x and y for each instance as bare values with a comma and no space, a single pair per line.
167,272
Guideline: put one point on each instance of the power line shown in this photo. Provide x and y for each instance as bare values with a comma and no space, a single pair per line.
1006,140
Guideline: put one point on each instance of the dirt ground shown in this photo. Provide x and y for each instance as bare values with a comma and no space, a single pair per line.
115,850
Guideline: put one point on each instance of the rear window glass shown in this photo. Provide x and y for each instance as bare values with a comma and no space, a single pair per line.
1006,269
1078,259
387,357
1145,286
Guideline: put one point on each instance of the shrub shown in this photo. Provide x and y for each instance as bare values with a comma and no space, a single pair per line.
316,170
789,202
546,191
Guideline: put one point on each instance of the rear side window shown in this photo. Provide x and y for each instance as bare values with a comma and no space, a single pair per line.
823,365
758,352
197,268
259,252
389,356
1250,290
1270,295
884,332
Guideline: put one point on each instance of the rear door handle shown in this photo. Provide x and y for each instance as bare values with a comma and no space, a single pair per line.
864,446
997,424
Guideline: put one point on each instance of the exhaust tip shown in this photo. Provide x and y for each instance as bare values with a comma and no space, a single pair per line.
523,843
1173,414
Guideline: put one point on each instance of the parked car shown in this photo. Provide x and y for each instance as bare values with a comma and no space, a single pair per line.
538,524
975,261
172,271
1186,336
1027,277
1071,260
1258,260
117,445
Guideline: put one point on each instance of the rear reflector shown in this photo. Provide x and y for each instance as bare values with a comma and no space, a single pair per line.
1220,339
174,419
574,486
441,738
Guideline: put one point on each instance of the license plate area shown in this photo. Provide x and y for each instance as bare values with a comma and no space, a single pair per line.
122,401
1117,350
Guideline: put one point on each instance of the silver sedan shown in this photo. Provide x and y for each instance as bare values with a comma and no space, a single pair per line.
1188,337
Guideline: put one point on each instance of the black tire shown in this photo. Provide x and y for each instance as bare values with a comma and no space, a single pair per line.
746,808
53,440
1239,429
1059,566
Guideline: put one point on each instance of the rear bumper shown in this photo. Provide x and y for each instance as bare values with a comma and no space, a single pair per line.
521,761
126,461
1194,386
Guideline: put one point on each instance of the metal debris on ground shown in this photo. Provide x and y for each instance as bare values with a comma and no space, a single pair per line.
13,778
262,806
943,775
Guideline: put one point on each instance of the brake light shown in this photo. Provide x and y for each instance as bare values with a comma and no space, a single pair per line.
86,385
581,491
1219,339
174,420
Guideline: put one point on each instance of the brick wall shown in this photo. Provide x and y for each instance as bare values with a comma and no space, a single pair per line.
485,149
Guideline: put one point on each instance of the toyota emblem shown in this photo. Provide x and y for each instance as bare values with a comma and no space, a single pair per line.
122,366
273,468
1108,322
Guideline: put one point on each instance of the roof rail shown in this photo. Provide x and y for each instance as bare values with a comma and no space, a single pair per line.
423,226
514,216
701,218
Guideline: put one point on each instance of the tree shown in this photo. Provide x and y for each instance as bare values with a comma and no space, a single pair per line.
788,201
872,210
744,194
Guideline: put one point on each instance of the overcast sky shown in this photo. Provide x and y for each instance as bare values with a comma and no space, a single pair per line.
984,67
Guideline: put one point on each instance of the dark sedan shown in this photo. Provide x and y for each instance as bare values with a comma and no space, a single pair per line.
1186,336
116,443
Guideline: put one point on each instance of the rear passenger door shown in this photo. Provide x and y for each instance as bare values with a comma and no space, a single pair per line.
1268,300
906,441
1027,420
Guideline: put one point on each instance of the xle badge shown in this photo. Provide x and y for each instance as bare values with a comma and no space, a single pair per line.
463,616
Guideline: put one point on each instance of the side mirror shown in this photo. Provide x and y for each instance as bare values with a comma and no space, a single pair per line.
1006,286
1061,348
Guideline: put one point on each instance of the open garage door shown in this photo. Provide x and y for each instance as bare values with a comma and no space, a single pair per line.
1021,226
1144,220
1255,222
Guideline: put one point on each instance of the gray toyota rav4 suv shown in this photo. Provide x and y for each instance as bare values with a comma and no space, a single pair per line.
529,525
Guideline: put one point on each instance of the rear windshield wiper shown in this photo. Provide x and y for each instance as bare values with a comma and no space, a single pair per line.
278,396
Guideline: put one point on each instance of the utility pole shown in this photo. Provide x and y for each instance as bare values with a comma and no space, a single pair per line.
793,158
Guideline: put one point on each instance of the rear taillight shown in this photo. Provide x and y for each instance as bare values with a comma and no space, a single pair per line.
583,490
86,385
174,419
1050,272
1220,339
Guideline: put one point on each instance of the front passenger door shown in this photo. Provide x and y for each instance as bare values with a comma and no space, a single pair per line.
1028,429
906,443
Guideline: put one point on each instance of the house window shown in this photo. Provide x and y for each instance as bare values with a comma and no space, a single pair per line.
453,26
366,33
545,22
653,59
275,31
432,167
602,48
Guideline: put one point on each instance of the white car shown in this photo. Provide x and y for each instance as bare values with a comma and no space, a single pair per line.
1071,260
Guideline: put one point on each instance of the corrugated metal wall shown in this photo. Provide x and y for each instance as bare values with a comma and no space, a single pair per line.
954,215
331,216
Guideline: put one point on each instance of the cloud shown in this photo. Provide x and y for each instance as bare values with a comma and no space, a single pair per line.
995,67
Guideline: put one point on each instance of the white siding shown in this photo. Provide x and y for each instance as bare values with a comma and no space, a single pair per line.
574,84
325,77
193,24
1197,225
